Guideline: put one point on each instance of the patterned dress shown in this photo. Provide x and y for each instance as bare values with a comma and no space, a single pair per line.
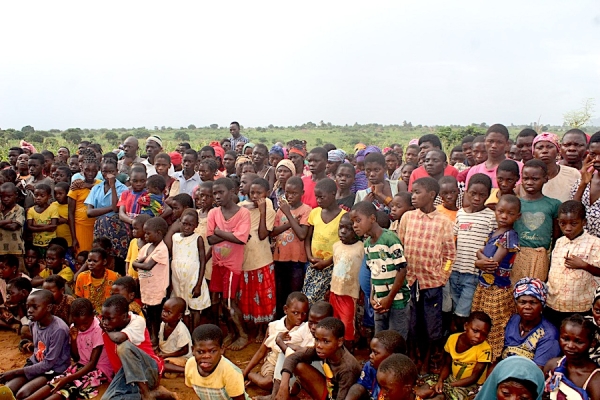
185,267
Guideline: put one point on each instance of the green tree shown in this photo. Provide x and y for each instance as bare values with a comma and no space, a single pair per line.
214,126
112,137
15,135
181,135
191,126
27,129
50,142
35,138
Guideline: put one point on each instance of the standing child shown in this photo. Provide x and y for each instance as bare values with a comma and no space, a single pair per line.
62,301
174,340
401,203
187,268
290,230
507,176
179,204
61,190
42,218
317,164
449,193
138,241
284,171
537,225
129,206
204,200
152,266
380,191
12,220
323,224
260,156
96,283
127,287
344,178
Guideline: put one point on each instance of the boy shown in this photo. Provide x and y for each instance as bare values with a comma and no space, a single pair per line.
51,350
13,313
137,230
317,164
383,345
186,179
12,220
449,193
208,372
174,340
127,343
385,259
507,177
430,251
127,287
341,369
36,176
397,376
412,154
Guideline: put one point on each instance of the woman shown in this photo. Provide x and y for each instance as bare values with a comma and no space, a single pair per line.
284,171
528,333
587,189
102,206
513,378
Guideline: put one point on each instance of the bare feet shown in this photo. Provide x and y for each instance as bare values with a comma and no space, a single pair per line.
260,337
269,397
239,344
161,393
228,339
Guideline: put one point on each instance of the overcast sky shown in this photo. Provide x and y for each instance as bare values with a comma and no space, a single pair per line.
130,64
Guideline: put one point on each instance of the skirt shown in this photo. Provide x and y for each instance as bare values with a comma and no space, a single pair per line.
316,283
499,304
530,262
85,387
454,392
115,230
256,295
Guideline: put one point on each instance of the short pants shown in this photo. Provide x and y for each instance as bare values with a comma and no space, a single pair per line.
225,281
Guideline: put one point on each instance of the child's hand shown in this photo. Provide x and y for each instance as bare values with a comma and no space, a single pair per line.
197,291
487,265
7,376
574,262
284,206
283,336
73,332
262,205
587,170
319,265
58,385
439,387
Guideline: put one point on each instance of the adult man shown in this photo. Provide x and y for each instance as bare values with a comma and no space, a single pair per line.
573,148
426,144
130,148
153,147
236,136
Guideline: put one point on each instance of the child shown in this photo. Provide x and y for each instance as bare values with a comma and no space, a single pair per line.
406,171
323,224
138,241
401,203
187,268
162,164
284,171
36,177
257,288
62,301
228,228
383,345
260,155
344,178
42,218
494,293
466,358
62,175
449,193
152,265
13,313
179,203
473,225
127,287
55,264
95,283
12,220
245,182
9,270
295,314
186,179
396,377
81,259
34,266
153,202
61,190
348,255
74,164
204,203
507,176
129,206
174,340
380,191
51,348
207,169
537,225
341,370
317,163
428,271
209,373
575,375
574,266
384,253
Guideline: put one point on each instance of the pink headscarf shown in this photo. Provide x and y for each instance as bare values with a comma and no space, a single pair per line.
546,137
414,141
28,146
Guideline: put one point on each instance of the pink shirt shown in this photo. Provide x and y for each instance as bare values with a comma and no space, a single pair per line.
87,341
154,283
482,169
227,254
421,173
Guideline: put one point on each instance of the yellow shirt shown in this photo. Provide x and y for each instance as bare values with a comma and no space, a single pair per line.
42,239
324,234
132,253
225,382
66,273
463,363
63,230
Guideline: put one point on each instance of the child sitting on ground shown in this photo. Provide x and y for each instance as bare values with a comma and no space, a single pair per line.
34,265
127,287
208,372
95,283
50,348
466,358
9,270
62,301
174,340
396,377
13,313
56,265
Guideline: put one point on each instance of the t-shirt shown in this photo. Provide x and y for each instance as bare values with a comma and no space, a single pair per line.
472,231
347,259
324,234
257,253
368,380
309,191
154,283
539,345
129,199
385,258
536,223
11,242
501,276
228,254
451,214
132,255
179,338
464,363
42,239
80,176
224,383
66,272
51,351
346,203
482,169
87,341
63,230
287,245
29,199
558,187
275,328
422,173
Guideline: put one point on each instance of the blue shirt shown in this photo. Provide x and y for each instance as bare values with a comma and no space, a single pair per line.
540,344
368,380
79,175
98,199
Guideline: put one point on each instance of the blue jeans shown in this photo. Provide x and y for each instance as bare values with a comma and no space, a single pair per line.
396,320
137,367
462,287
364,278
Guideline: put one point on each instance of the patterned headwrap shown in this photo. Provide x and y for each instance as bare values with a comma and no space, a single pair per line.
372,149
28,146
414,141
360,156
531,287
156,139
546,137
336,155
359,146
242,160
277,150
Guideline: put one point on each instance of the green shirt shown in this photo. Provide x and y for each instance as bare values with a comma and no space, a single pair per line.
537,221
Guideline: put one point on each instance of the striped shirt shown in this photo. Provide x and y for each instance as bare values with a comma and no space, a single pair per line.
471,231
385,258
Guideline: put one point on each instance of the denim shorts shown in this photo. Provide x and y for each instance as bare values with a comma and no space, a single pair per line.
462,287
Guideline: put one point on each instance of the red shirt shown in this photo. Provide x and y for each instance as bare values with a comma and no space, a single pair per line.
421,173
309,192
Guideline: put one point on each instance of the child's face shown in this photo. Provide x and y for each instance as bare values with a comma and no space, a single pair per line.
81,260
82,322
477,331
188,225
23,161
344,178
506,181
449,194
248,169
112,320
478,194
37,308
245,183
316,163
138,181
479,153
293,194
153,189
313,320
90,170
571,225
457,157
222,195
391,162
53,261
296,312
206,174
378,353
495,144
207,354
14,295
346,231
8,197
434,163
189,161
283,174
60,176
6,271
151,235
274,159
361,223
421,197
390,388
229,162
412,155
137,229
398,207
56,292
108,169
405,173
96,264
326,344
74,164
177,209
510,390
35,167
257,192
324,199
40,197
171,313
533,180
31,258
162,166
375,172
204,197
60,195
121,290
574,341
596,312
506,214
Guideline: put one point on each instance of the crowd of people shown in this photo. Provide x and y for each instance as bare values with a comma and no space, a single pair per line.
472,274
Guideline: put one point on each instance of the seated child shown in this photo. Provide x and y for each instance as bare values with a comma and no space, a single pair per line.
95,283
34,266
296,311
341,370
9,270
51,354
208,372
127,287
138,241
397,375
174,340
383,345
153,202
62,301
56,265
13,313
466,357
595,319
81,259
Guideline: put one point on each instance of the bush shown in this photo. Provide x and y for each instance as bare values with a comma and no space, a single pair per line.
35,138
181,135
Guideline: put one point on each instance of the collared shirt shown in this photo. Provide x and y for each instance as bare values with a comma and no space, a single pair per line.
184,185
429,247
235,141
151,170
572,290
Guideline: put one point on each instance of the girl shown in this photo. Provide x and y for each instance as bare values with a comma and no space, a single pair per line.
62,174
507,176
493,294
323,223
574,376
102,206
344,178
405,172
42,218
317,164
138,241
380,191
205,203
95,283
82,226
179,203
297,156
401,203
187,268
276,154
284,171
61,190
260,156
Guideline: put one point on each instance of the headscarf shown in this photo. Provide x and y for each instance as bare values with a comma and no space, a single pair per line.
531,287
219,151
296,150
359,146
386,150
277,150
518,367
414,141
372,149
28,146
360,156
288,164
156,139
251,145
242,160
336,155
176,158
546,137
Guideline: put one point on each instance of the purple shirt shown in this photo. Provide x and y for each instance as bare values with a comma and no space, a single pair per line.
52,351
